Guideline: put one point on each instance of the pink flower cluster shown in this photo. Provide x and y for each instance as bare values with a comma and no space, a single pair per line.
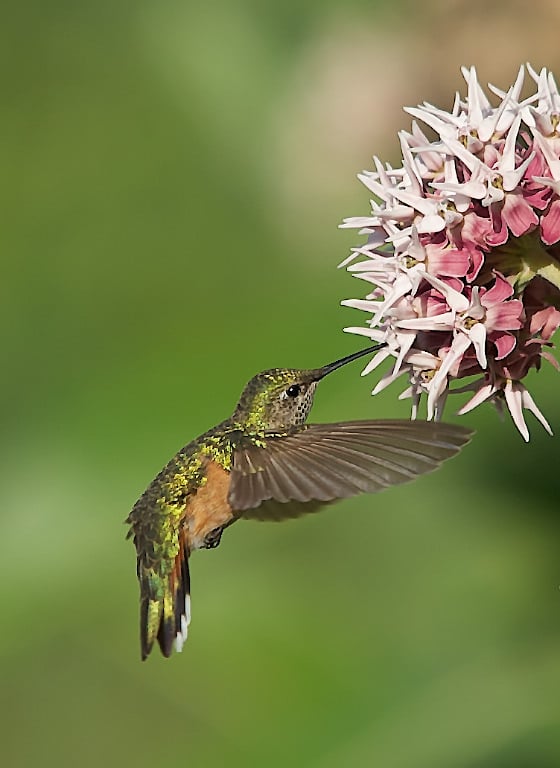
463,249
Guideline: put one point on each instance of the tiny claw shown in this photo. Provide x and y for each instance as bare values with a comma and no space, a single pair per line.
213,538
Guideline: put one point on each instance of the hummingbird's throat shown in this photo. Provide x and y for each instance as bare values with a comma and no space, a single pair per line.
304,405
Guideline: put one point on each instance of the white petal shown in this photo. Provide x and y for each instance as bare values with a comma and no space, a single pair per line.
479,397
530,404
423,361
472,188
552,161
457,149
371,265
382,355
441,128
400,288
438,384
398,213
456,300
514,400
512,179
443,322
477,335
371,333
410,165
386,380
507,160
406,341
366,306
431,223
359,221
494,195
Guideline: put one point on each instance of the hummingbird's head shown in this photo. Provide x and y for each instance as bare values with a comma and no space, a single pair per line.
280,398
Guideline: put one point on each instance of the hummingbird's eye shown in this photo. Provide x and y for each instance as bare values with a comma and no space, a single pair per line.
293,391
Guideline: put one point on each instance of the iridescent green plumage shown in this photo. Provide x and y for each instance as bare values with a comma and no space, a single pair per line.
264,463
156,525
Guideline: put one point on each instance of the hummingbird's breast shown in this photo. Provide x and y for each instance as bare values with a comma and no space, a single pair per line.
208,508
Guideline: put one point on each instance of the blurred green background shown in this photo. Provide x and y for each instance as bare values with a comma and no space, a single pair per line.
172,177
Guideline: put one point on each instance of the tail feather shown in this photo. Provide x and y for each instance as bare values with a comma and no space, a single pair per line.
183,605
165,607
150,613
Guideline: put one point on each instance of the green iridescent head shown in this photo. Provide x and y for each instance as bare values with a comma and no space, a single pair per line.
280,398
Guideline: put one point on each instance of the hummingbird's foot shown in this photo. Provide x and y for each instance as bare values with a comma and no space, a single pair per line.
213,538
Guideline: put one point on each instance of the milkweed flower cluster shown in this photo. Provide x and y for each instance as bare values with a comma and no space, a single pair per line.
463,249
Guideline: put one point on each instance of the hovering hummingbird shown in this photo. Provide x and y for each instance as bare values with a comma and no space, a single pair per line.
264,463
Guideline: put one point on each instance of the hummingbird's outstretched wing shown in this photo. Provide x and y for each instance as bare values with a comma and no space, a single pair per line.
290,475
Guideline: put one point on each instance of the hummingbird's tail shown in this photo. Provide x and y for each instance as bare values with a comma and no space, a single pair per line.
165,605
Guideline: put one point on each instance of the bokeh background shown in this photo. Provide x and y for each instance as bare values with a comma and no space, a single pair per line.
171,179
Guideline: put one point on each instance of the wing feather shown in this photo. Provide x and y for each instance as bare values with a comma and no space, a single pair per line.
288,475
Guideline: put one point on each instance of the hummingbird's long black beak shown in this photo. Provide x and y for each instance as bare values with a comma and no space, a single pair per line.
326,369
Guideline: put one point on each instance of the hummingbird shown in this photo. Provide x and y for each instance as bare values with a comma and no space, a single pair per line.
264,463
